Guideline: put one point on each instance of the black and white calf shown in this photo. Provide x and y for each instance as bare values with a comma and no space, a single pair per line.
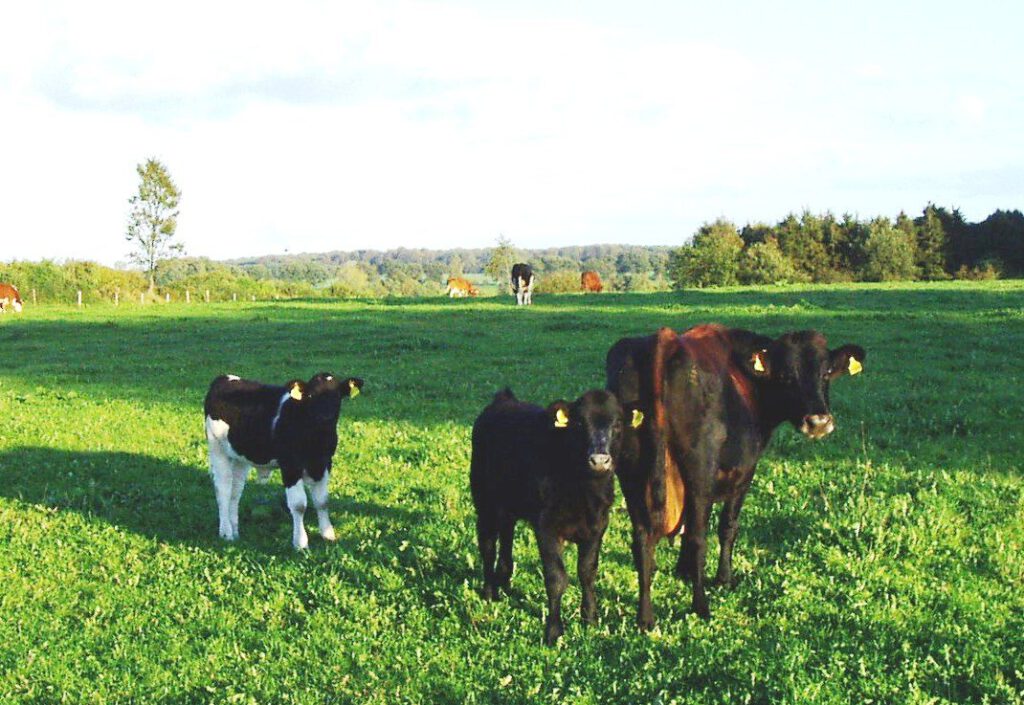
294,427
522,283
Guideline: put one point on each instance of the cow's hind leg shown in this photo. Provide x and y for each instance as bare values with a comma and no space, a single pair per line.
697,512
728,527
486,538
239,474
643,558
222,474
506,534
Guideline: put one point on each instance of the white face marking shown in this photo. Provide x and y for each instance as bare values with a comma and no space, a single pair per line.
329,377
233,378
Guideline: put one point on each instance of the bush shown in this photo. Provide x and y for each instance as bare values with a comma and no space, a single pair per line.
564,281
890,253
986,269
764,263
712,259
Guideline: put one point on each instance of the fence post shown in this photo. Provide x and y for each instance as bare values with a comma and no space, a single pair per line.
207,296
254,297
234,297
167,297
188,297
33,297
117,297
79,298
142,297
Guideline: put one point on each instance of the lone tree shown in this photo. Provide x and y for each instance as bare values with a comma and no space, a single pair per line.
153,218
500,262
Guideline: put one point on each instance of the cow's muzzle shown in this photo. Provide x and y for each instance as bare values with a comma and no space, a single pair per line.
817,425
600,462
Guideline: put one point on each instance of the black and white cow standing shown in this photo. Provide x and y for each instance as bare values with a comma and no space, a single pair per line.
522,283
294,427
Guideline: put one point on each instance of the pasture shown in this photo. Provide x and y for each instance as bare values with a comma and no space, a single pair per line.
882,564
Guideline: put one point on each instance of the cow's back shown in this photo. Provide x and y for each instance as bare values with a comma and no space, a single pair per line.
507,456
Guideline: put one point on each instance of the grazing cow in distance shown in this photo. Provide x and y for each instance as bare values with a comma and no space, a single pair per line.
294,427
9,297
591,282
554,468
713,395
522,283
458,287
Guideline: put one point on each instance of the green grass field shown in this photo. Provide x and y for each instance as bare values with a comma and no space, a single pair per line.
883,564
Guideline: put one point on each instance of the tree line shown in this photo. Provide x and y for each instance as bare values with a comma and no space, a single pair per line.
938,244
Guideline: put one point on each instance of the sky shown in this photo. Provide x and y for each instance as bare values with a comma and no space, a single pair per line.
317,126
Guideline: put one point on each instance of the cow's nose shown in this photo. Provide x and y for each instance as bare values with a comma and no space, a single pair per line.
601,461
817,425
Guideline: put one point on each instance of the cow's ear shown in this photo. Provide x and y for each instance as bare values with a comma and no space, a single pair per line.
297,389
759,364
633,415
849,359
353,385
559,412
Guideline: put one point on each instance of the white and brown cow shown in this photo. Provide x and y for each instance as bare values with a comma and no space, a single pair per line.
294,427
9,298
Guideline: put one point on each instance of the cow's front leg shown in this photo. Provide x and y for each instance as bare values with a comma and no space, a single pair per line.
586,569
295,494
555,582
318,491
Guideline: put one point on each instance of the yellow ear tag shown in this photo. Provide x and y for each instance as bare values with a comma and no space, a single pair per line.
296,392
561,419
638,418
353,390
854,367
758,362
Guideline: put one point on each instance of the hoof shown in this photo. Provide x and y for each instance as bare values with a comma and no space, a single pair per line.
329,534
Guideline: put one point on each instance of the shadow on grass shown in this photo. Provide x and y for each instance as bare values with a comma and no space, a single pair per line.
174,503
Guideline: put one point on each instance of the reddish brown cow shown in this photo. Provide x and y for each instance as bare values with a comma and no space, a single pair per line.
457,286
591,281
714,396
9,296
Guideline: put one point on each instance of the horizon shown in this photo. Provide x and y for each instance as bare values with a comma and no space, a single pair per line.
442,125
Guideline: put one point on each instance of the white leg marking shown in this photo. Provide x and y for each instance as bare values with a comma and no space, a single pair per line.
318,490
296,496
223,480
239,472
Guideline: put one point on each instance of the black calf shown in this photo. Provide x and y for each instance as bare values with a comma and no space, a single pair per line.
553,468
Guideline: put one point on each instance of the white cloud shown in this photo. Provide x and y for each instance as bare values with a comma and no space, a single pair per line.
337,126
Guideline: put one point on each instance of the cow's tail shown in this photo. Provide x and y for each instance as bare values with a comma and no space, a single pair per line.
665,346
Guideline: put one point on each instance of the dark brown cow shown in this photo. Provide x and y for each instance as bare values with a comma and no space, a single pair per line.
9,297
457,287
591,281
714,396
